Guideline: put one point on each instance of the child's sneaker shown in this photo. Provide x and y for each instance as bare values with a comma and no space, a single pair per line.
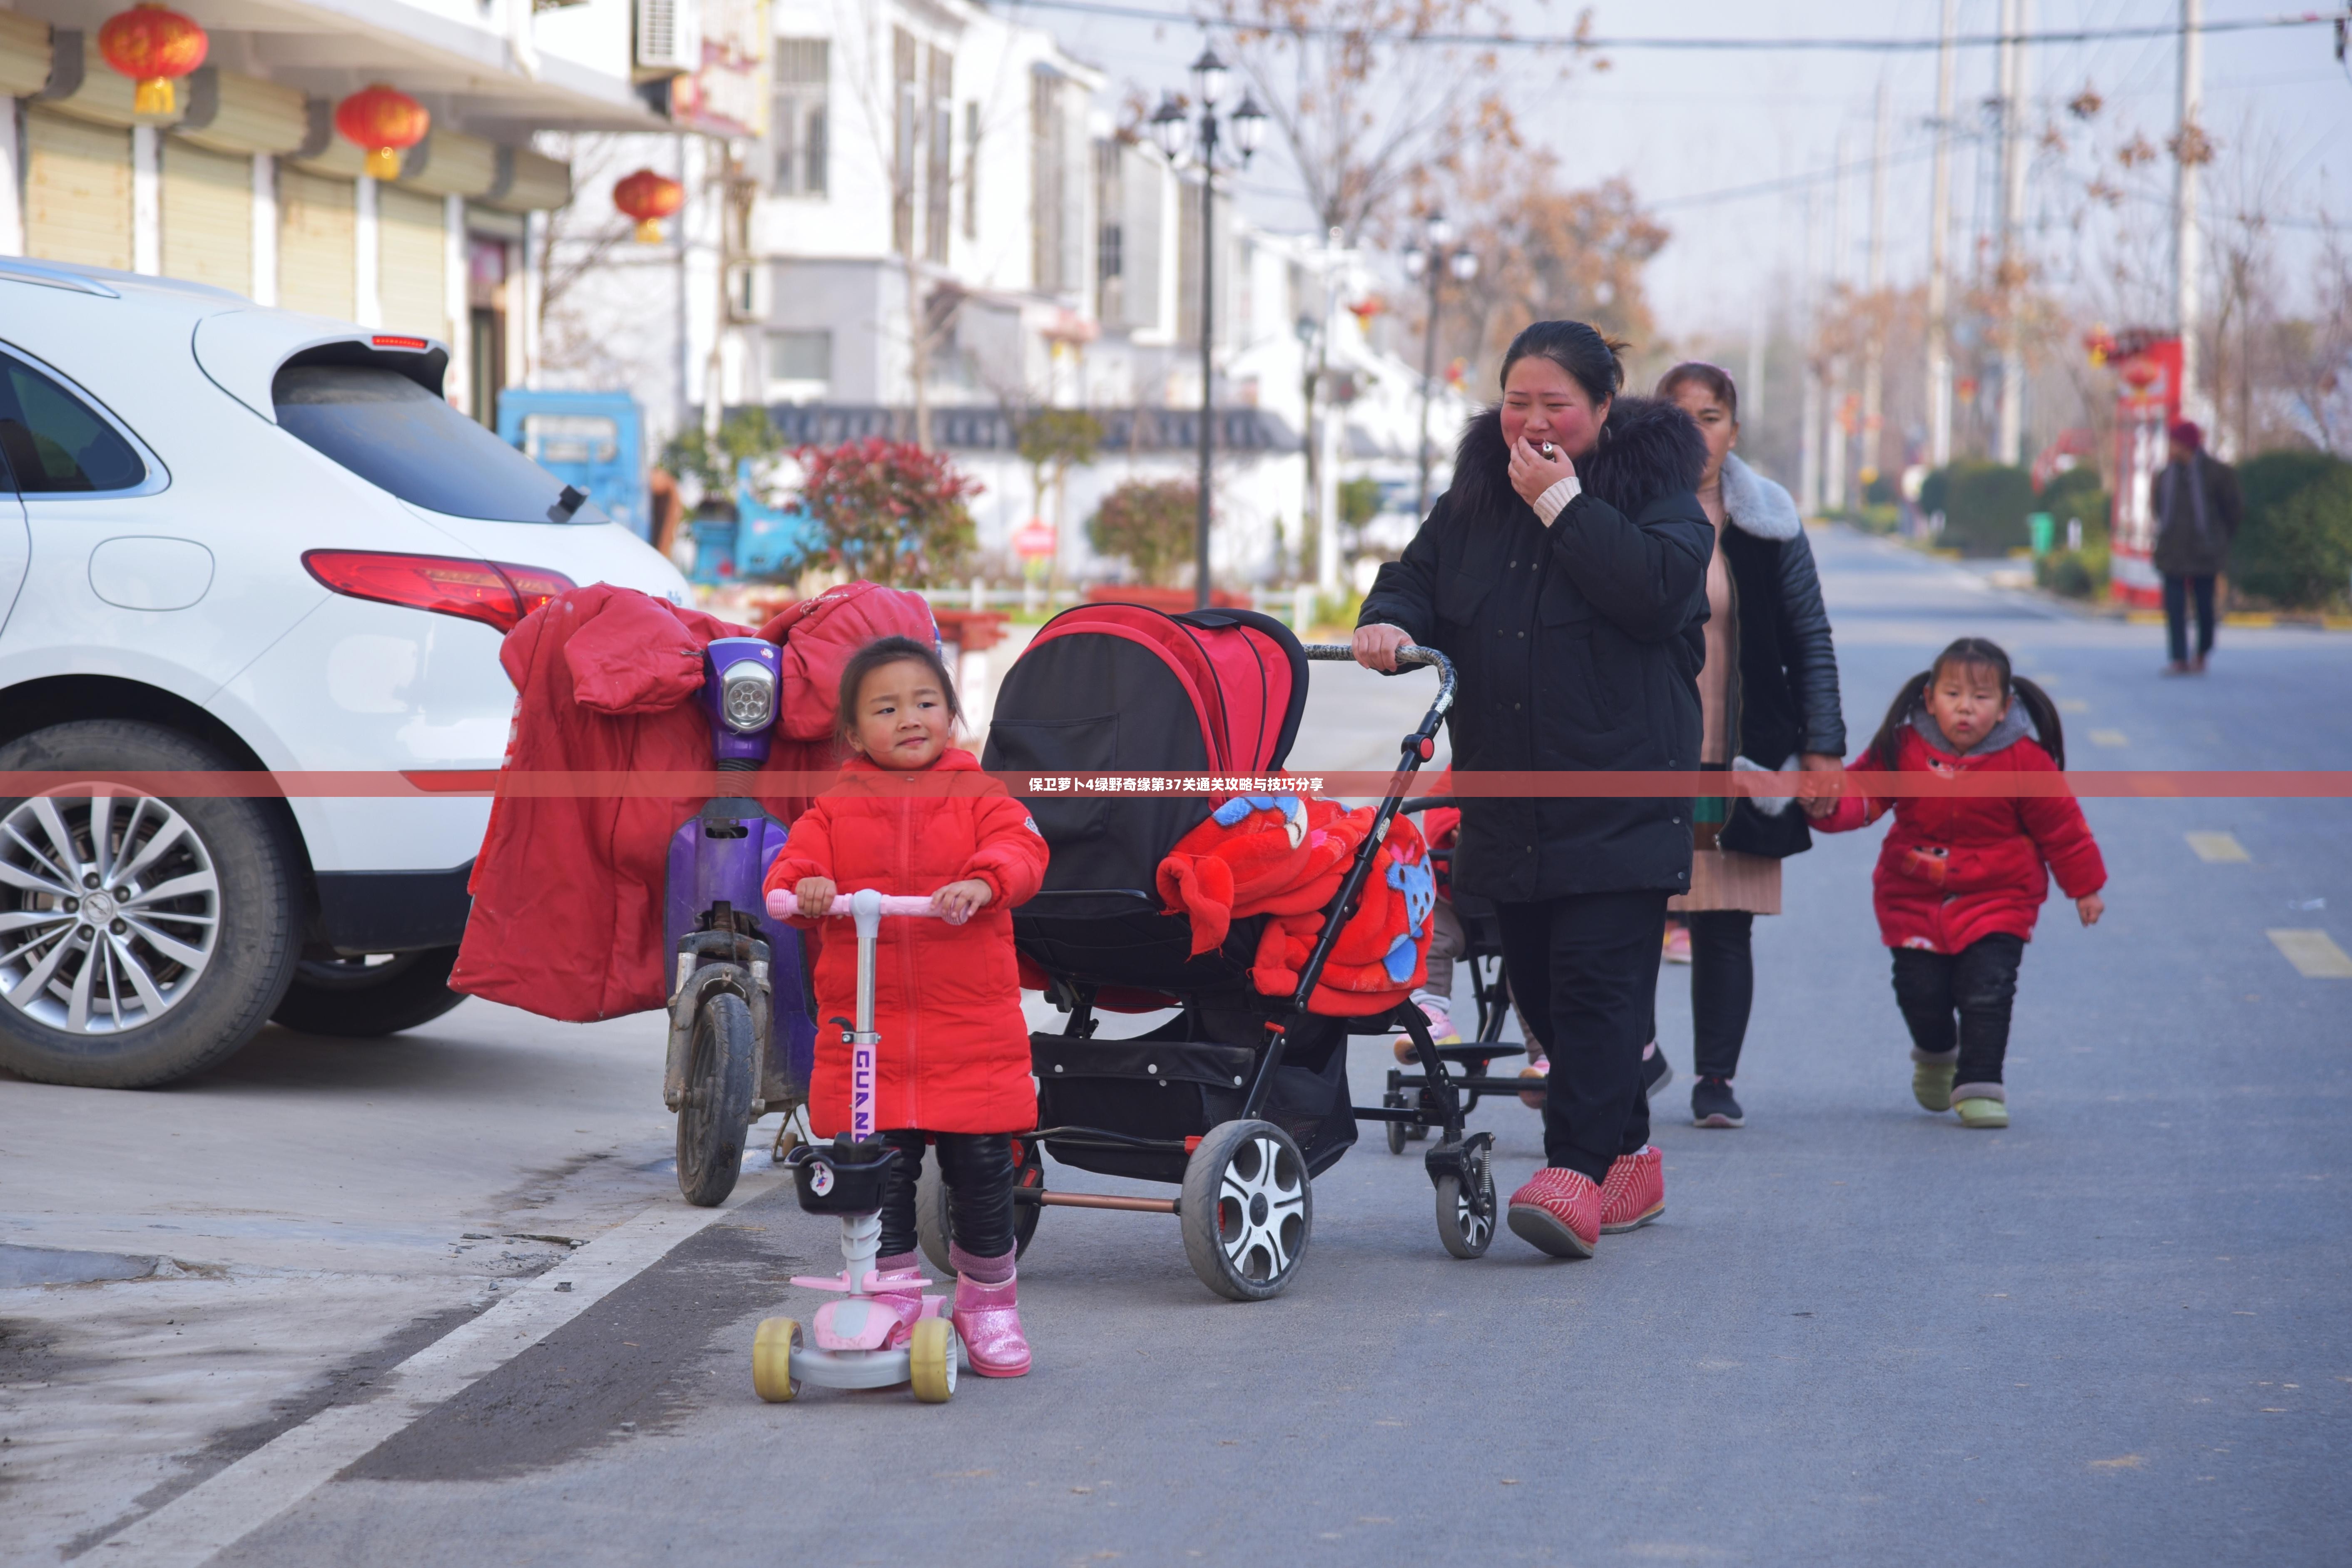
1975,1110
1539,1069
1440,1030
1559,1212
1635,1192
1931,1080
1677,946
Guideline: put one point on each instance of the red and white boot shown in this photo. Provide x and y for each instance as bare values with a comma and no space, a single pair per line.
987,1317
1559,1212
1634,1193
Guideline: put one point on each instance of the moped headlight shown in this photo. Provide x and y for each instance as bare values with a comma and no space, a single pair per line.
747,697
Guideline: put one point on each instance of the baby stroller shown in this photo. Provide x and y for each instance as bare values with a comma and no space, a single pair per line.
1242,1098
1490,988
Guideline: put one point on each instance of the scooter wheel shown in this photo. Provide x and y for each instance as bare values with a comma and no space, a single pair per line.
931,1361
771,1360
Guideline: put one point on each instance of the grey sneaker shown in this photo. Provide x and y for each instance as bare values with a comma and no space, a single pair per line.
1712,1105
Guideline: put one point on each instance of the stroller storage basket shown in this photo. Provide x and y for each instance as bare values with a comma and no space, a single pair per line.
1165,1088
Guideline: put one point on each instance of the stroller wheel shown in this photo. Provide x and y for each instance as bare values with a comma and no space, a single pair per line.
932,1224
771,1360
1247,1210
931,1361
1465,1218
1397,1131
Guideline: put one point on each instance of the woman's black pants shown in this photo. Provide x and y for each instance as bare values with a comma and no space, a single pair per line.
979,1171
1584,972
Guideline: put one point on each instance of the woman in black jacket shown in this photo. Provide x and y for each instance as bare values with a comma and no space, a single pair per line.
1562,573
1768,692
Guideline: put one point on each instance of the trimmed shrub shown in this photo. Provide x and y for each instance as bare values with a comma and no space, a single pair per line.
1985,508
2295,548
1149,525
2077,493
891,513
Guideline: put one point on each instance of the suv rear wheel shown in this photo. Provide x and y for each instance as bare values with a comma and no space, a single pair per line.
361,997
142,938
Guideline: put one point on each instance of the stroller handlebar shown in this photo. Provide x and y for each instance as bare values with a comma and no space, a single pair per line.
1412,653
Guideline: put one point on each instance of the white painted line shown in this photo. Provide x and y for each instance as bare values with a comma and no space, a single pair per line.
2109,738
193,1526
2215,848
2072,705
2313,954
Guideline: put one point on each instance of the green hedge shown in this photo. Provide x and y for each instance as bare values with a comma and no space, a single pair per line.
1984,506
2295,547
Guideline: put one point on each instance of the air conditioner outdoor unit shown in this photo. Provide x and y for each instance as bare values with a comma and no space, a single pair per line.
669,35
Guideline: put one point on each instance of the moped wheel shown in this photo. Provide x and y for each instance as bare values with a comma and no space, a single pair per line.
931,1361
1465,1216
934,1226
721,1070
771,1360
1247,1210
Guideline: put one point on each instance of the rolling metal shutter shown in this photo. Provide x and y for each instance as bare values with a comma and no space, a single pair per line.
316,250
207,215
411,278
77,191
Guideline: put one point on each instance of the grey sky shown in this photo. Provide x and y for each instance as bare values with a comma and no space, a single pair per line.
1685,124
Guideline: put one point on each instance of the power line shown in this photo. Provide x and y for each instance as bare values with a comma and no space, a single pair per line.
2156,30
1787,183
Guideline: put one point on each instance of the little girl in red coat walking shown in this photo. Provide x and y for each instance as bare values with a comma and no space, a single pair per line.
1960,880
911,817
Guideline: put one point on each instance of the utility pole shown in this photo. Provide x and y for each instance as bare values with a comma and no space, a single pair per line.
1835,447
1809,419
1751,395
2189,151
2017,15
1939,261
1326,433
1873,365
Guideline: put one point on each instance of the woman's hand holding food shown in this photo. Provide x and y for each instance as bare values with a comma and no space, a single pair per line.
1537,467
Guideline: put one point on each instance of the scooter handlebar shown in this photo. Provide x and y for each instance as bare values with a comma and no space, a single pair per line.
784,905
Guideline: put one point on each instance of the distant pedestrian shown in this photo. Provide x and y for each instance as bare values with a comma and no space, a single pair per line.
1768,694
1961,881
2197,510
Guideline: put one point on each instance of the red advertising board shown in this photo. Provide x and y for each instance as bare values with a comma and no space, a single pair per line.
2147,401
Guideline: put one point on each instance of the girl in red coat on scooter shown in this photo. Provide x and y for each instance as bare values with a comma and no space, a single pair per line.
1961,879
912,818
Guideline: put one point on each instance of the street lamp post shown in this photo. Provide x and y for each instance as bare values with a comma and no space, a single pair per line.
1170,128
1433,260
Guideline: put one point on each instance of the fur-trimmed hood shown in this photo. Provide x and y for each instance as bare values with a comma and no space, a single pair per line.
1649,448
1758,505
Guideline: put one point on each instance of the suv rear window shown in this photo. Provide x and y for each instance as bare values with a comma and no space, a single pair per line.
394,434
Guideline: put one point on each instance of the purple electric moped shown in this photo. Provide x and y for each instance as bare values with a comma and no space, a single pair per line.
742,1037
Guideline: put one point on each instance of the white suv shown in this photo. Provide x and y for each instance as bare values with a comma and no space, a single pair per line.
234,538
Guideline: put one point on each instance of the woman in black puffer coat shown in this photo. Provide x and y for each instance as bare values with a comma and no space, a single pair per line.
1563,574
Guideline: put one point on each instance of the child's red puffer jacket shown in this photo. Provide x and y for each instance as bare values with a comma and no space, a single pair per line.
1954,869
954,1056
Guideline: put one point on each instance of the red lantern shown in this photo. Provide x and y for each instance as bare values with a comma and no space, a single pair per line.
648,197
387,122
152,46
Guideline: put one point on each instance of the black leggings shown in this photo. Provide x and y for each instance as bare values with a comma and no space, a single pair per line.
1722,988
1584,972
1979,984
979,1171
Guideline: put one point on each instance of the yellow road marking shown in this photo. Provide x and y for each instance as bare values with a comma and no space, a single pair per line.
2215,848
2313,954
2072,705
2108,738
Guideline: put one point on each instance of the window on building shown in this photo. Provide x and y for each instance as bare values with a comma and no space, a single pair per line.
802,356
907,139
1046,164
1109,234
939,176
972,171
800,131
54,443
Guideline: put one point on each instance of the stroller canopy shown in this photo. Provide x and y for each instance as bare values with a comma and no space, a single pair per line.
1123,689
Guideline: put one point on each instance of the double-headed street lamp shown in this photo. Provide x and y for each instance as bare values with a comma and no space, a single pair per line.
1432,257
1173,132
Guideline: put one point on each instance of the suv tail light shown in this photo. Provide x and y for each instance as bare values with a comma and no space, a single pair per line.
498,593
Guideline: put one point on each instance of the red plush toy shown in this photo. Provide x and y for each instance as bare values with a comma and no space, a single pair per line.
1258,854
1382,950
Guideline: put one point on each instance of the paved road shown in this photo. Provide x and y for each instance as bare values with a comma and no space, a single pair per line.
2114,1333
